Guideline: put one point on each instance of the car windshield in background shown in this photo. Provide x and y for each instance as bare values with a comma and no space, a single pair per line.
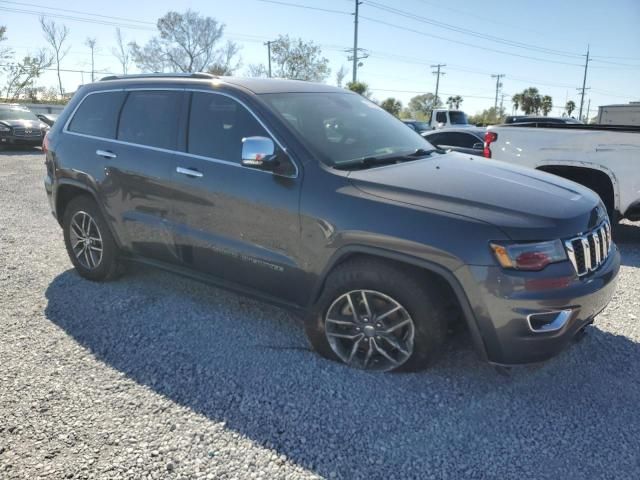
458,118
342,127
16,114
421,126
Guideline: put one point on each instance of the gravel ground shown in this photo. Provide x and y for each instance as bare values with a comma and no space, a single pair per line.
155,376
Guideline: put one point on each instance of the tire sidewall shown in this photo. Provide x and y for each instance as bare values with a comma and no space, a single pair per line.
417,298
109,259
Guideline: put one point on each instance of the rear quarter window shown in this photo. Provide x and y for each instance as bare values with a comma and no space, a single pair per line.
97,115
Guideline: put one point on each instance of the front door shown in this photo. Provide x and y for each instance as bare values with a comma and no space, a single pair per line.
233,222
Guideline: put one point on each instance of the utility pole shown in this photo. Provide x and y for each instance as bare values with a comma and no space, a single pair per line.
588,108
268,44
91,43
497,76
584,82
355,41
501,102
437,73
582,93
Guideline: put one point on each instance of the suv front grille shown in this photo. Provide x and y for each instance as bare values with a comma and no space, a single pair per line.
587,252
27,132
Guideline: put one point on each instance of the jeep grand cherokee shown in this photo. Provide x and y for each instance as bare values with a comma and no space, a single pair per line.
313,197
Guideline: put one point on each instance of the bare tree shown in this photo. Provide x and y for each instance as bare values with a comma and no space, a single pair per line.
340,75
22,75
56,36
122,52
257,71
5,52
299,60
91,43
187,42
226,63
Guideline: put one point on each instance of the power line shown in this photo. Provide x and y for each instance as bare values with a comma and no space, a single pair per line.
24,4
297,5
466,31
430,35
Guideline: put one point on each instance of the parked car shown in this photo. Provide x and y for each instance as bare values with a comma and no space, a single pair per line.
19,126
417,125
532,119
48,118
442,118
602,158
467,140
379,239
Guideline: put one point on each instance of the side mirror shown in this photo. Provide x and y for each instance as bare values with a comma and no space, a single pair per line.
260,153
478,146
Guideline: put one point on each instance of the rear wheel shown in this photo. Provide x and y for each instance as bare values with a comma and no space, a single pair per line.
89,242
376,316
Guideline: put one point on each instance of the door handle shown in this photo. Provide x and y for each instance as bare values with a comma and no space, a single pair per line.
106,154
189,172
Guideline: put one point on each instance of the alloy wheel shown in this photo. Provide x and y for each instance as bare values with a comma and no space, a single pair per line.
86,240
370,330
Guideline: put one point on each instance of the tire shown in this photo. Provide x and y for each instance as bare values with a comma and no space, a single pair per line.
92,265
383,283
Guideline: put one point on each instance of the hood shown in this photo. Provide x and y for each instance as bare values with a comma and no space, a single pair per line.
526,204
34,124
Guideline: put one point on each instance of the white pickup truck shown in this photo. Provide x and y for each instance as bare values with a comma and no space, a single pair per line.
440,118
604,158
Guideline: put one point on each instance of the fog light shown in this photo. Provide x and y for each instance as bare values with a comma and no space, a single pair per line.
548,321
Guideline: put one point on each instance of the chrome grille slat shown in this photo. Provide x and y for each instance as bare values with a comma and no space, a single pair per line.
26,132
589,251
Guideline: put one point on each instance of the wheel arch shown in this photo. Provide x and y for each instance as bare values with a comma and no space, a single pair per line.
603,180
67,190
440,272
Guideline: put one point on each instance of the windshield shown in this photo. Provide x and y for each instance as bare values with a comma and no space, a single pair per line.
342,127
16,114
421,126
458,118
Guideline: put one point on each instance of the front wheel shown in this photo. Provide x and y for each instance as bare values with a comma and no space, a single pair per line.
376,316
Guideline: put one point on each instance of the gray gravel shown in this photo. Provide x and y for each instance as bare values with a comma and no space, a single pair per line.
155,376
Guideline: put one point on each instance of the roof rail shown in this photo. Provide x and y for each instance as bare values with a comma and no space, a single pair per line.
160,75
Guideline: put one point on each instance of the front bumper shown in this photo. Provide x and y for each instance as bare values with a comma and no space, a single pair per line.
510,307
21,141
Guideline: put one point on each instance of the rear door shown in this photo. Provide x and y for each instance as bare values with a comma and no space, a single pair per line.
233,222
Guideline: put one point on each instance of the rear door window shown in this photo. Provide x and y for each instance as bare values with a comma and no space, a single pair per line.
98,115
217,125
151,118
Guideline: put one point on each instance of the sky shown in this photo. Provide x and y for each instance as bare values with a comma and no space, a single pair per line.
539,43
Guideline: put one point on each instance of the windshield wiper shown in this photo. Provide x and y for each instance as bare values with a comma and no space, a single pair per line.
376,160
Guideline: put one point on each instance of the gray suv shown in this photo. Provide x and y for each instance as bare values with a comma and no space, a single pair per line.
314,198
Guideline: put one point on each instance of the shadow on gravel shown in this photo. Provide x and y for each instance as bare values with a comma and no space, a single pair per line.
627,237
247,364
18,151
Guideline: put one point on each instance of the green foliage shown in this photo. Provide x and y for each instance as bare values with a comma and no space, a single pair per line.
487,117
392,105
359,87
531,101
570,107
420,106
454,102
296,59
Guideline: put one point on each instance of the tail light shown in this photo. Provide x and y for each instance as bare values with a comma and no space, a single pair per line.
489,137
45,143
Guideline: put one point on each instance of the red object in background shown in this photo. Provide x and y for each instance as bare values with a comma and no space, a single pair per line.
489,137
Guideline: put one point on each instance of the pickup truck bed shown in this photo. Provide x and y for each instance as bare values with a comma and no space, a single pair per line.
605,158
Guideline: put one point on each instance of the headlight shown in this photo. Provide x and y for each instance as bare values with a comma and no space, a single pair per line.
528,256
4,128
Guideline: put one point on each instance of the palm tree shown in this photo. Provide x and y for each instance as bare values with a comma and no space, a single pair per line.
457,100
546,104
530,101
450,102
570,107
517,101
